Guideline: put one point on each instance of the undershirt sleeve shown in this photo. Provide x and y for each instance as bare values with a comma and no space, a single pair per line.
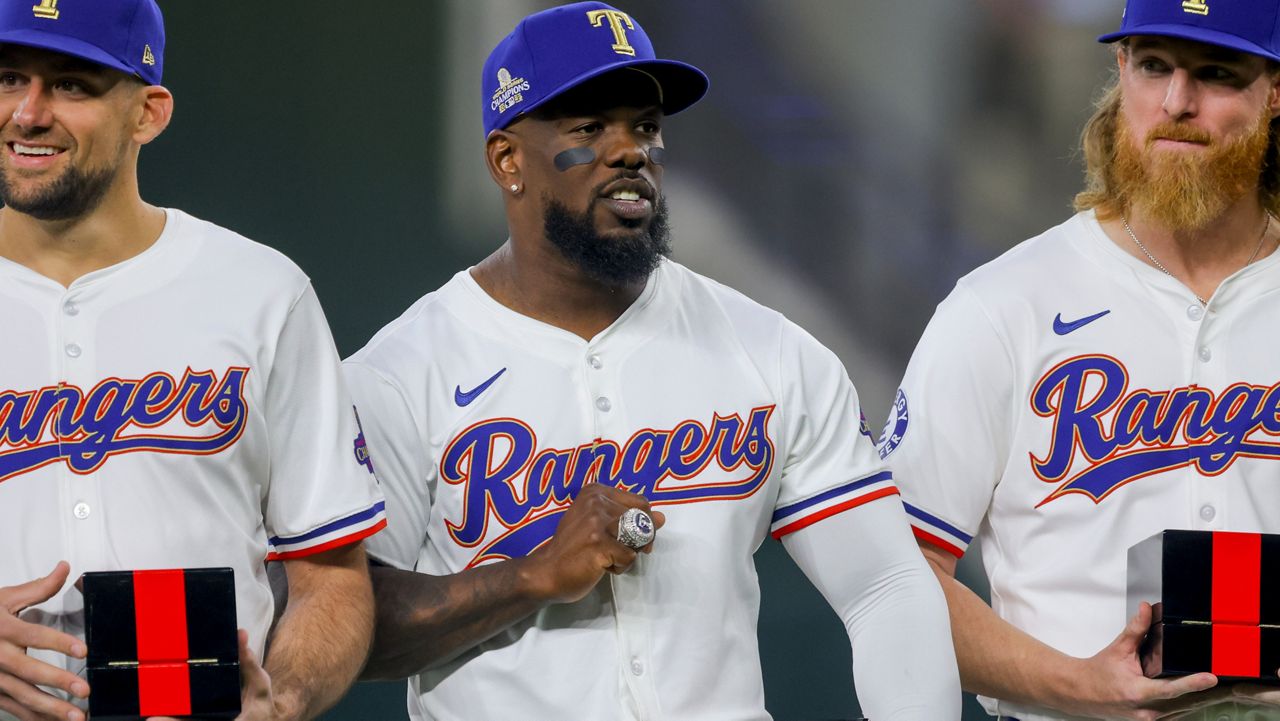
866,565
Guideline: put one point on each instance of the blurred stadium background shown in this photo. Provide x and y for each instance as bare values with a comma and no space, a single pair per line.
852,160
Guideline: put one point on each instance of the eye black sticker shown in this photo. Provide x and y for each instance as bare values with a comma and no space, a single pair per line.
574,156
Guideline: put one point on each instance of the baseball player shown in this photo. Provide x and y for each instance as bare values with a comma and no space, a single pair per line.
524,414
170,395
1111,378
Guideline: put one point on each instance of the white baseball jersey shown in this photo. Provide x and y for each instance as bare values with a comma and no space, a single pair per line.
183,408
1067,401
485,423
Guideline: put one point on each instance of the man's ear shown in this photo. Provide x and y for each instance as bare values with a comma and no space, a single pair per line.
1273,100
157,111
502,157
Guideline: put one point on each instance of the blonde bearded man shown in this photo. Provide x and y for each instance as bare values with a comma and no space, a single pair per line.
1112,378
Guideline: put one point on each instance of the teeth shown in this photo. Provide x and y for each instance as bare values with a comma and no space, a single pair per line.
625,195
21,149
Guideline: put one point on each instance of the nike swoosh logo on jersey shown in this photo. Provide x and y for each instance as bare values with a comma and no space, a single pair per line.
464,399
1062,328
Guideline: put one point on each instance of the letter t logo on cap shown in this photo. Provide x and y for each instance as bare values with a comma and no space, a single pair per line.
46,9
1199,7
616,20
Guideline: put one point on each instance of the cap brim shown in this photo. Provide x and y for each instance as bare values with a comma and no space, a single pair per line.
1200,35
65,45
681,84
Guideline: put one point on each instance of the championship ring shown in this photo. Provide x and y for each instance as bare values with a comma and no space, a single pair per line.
635,529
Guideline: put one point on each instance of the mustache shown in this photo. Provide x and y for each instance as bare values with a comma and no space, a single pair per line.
1179,132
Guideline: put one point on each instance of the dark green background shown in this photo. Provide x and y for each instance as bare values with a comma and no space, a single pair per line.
317,127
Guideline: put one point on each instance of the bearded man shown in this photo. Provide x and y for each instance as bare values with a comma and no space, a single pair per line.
1112,378
539,417
154,372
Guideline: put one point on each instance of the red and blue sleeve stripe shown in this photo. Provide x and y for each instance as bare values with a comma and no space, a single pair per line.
794,516
937,532
334,534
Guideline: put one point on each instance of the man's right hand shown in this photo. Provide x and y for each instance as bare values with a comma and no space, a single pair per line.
1111,684
20,674
585,545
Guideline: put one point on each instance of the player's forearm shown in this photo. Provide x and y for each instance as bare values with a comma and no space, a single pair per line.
998,660
424,621
323,637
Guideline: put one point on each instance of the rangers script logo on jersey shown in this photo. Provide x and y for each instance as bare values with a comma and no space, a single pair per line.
1130,435
84,429
506,477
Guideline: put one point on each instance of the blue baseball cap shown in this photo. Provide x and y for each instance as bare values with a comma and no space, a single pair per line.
1250,26
558,49
127,35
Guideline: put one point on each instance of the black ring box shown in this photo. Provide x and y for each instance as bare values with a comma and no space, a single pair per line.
162,643
1215,598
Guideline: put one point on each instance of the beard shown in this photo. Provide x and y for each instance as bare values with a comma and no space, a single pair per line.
1186,191
70,195
608,260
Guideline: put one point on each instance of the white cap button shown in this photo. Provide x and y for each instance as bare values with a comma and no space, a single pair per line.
73,350
1195,311
1207,512
603,404
80,510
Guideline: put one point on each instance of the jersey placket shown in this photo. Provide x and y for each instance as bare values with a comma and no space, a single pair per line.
75,361
1205,363
630,614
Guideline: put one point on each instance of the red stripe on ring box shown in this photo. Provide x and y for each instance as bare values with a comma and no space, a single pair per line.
1237,650
160,607
164,689
1237,577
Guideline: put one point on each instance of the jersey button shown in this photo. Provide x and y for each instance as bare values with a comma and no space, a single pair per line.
595,362
70,308
1204,353
637,668
81,510
1207,512
603,404
73,350
1195,311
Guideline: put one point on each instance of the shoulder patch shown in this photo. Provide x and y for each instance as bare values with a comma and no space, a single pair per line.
360,447
896,427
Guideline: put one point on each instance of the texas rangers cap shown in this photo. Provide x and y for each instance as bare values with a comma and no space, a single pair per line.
1250,26
127,35
554,50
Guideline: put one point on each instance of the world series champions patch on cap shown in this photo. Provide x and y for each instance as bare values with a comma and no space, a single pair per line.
558,49
127,35
1250,26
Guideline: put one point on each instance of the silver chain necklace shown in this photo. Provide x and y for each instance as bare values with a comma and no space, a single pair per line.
1265,225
